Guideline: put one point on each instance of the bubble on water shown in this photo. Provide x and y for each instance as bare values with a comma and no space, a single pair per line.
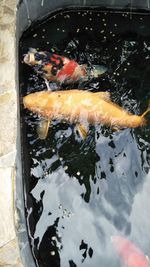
91,29
60,158
78,30
35,35
65,168
59,235
90,18
102,31
52,252
116,48
128,63
47,42
53,150
58,29
103,20
115,25
43,30
125,69
60,206
43,36
54,238
78,173
105,24
63,30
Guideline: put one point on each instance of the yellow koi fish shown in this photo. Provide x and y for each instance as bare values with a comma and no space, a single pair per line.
81,107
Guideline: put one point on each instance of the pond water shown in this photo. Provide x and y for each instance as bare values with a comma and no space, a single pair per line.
78,193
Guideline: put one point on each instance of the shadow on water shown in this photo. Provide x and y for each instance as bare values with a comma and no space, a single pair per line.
78,193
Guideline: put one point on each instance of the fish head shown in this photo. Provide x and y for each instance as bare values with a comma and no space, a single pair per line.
33,57
37,102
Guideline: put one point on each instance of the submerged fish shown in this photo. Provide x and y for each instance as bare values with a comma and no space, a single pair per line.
82,107
60,69
131,255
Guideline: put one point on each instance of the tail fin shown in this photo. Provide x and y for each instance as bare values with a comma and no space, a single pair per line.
147,110
96,71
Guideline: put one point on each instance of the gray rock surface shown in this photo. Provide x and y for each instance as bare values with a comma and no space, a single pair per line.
9,252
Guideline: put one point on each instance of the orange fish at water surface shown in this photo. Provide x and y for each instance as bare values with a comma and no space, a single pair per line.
60,69
130,255
82,107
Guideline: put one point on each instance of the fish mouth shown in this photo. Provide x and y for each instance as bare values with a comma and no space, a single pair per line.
29,58
25,101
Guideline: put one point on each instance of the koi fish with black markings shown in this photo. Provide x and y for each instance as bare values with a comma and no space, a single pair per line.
60,69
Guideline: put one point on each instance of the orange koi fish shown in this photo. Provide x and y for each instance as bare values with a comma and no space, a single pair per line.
131,255
60,69
82,107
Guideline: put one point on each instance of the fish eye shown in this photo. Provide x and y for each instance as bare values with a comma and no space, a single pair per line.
38,56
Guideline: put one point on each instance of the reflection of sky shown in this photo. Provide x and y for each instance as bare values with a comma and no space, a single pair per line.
79,221
140,217
119,208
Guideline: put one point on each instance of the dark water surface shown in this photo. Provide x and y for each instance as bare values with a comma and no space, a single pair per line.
78,193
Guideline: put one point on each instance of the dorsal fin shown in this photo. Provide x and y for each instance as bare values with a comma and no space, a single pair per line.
82,130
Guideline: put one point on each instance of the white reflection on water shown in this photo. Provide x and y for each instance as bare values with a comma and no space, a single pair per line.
121,207
140,217
82,224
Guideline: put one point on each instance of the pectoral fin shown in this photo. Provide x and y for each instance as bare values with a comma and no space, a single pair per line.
147,111
103,95
116,129
81,130
42,129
